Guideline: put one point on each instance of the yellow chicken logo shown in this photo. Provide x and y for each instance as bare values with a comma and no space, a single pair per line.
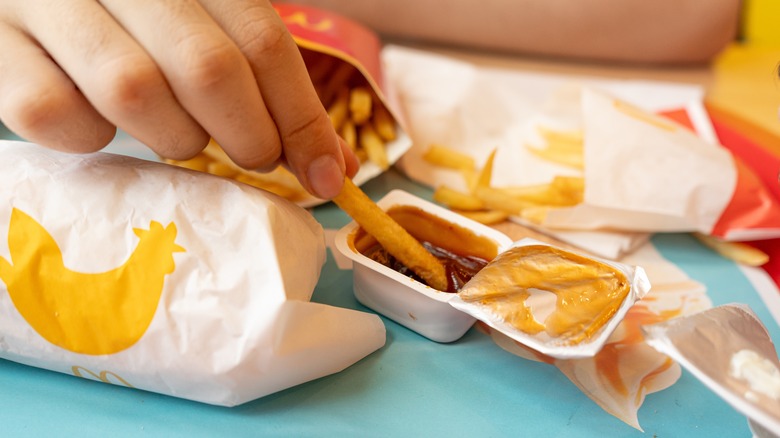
88,313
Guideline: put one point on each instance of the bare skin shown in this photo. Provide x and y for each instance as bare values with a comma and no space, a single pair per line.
171,73
615,31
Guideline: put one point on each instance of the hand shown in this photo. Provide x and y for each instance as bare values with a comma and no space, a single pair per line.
171,73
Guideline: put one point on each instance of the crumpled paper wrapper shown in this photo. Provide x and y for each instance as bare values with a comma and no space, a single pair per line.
627,369
644,173
144,275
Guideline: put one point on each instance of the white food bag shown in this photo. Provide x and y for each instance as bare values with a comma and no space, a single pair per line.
141,274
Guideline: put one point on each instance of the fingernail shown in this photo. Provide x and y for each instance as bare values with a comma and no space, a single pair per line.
325,176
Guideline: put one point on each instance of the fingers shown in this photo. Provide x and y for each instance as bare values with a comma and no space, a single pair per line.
310,145
41,104
208,74
173,73
116,75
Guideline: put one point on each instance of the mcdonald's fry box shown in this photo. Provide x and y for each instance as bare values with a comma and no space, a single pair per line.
153,277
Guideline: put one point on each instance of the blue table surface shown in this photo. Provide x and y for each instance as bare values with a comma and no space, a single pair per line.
411,386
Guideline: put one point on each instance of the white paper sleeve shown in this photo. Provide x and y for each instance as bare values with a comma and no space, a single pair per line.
144,275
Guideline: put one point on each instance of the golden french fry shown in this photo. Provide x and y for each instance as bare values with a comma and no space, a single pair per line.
339,109
384,123
486,174
198,162
536,193
349,133
221,169
370,141
536,214
360,105
561,192
568,137
457,200
443,156
394,238
736,251
361,155
470,177
291,193
565,158
487,217
573,184
496,199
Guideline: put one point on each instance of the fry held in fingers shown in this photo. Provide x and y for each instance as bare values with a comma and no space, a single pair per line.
394,238
356,113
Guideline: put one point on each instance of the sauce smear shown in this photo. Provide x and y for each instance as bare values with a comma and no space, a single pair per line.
459,268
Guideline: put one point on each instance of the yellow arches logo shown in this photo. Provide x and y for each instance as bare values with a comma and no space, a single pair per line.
104,376
87,313
303,20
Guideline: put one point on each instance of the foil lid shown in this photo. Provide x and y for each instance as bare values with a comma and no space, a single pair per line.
731,352
560,303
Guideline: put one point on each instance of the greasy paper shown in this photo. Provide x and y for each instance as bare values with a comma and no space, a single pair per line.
627,369
152,277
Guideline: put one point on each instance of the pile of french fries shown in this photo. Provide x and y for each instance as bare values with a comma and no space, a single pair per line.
356,112
493,205
490,205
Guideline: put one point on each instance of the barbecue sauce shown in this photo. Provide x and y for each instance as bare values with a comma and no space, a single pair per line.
462,252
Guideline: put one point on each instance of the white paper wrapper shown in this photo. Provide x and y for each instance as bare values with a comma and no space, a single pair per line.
158,278
475,110
646,173
730,351
544,304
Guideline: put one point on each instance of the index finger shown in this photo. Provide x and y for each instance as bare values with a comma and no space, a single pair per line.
309,142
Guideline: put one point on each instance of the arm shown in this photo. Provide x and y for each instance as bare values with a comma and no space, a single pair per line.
630,31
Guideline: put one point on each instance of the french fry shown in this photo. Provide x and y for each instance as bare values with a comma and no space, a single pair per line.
360,105
198,162
496,199
536,214
491,205
339,109
219,168
486,174
562,147
370,141
736,251
443,156
565,158
457,200
384,123
571,138
393,238
487,217
357,114
349,133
